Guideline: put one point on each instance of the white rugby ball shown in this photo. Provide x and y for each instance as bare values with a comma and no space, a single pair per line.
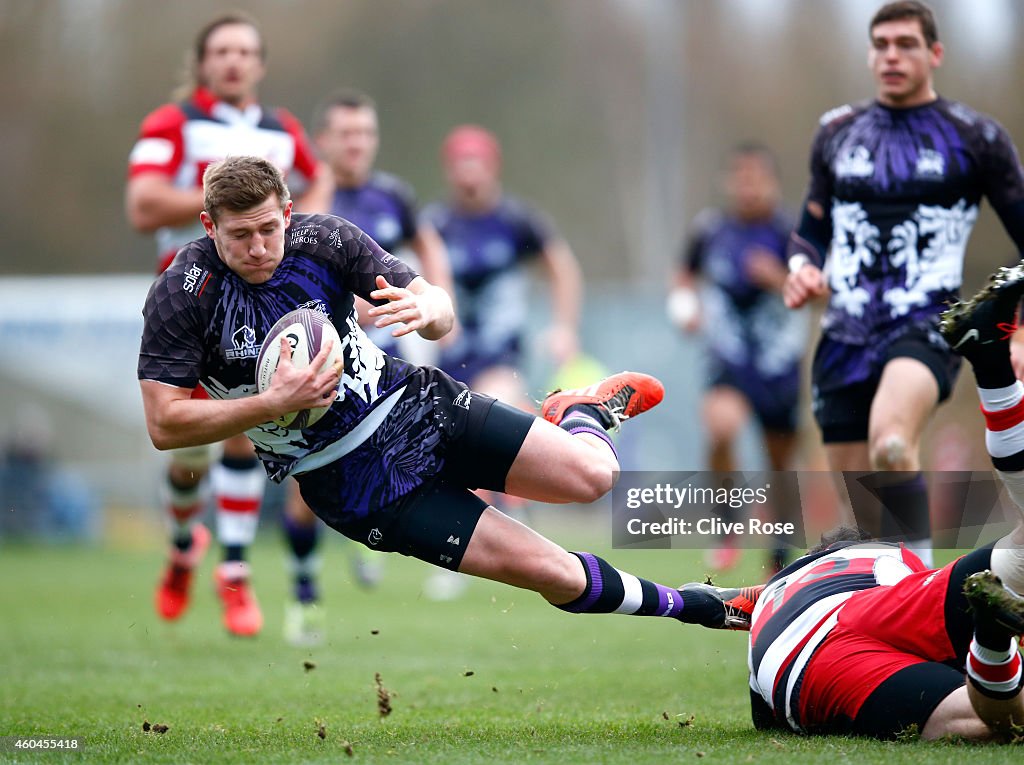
307,331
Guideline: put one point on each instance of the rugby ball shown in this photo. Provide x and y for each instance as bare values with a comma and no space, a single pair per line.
307,331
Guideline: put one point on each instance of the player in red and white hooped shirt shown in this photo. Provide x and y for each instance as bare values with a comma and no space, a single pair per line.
217,117
860,637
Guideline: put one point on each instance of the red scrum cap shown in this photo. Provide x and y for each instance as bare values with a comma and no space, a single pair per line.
471,141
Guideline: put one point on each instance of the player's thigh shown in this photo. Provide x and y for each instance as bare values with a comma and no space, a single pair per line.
449,526
724,411
906,397
553,466
505,550
926,698
434,523
482,456
955,716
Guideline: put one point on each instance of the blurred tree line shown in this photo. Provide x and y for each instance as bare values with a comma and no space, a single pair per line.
614,114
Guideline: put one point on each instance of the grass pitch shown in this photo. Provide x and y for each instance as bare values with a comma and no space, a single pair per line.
497,676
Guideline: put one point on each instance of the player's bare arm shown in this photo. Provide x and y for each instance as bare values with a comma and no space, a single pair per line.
174,419
421,307
433,255
566,295
152,201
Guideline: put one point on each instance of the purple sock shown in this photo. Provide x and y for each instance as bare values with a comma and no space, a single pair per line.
609,590
577,422
302,542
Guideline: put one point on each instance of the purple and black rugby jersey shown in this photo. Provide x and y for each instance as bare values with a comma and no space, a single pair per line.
384,207
487,252
748,328
901,189
205,325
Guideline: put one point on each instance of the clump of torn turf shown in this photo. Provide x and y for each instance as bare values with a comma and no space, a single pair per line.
383,697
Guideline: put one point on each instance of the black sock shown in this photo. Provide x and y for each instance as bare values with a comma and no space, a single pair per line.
991,365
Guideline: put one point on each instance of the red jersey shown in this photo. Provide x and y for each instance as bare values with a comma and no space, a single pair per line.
801,606
180,140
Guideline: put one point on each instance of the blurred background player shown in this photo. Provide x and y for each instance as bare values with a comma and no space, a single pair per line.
217,115
737,256
896,183
347,136
491,237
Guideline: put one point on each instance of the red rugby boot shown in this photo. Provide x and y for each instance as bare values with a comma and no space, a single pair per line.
242,615
616,398
174,590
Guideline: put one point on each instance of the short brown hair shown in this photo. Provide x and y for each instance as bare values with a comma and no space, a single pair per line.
908,9
757,149
343,98
241,183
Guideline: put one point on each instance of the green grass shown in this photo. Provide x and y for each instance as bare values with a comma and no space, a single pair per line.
82,654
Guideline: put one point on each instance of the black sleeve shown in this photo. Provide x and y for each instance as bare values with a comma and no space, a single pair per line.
362,260
534,231
408,211
171,350
694,250
1003,180
813,234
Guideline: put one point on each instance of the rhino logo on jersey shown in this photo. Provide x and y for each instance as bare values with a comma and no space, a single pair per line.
244,342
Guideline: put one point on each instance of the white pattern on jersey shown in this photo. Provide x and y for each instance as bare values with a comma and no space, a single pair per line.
940,264
361,356
854,244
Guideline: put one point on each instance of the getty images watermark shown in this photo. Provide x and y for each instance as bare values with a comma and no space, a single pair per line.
772,510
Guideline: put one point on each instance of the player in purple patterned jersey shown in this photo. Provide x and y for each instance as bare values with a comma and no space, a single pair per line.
737,256
347,136
218,116
392,462
895,188
490,237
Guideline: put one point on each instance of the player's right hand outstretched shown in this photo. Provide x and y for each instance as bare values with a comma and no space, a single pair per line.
802,285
